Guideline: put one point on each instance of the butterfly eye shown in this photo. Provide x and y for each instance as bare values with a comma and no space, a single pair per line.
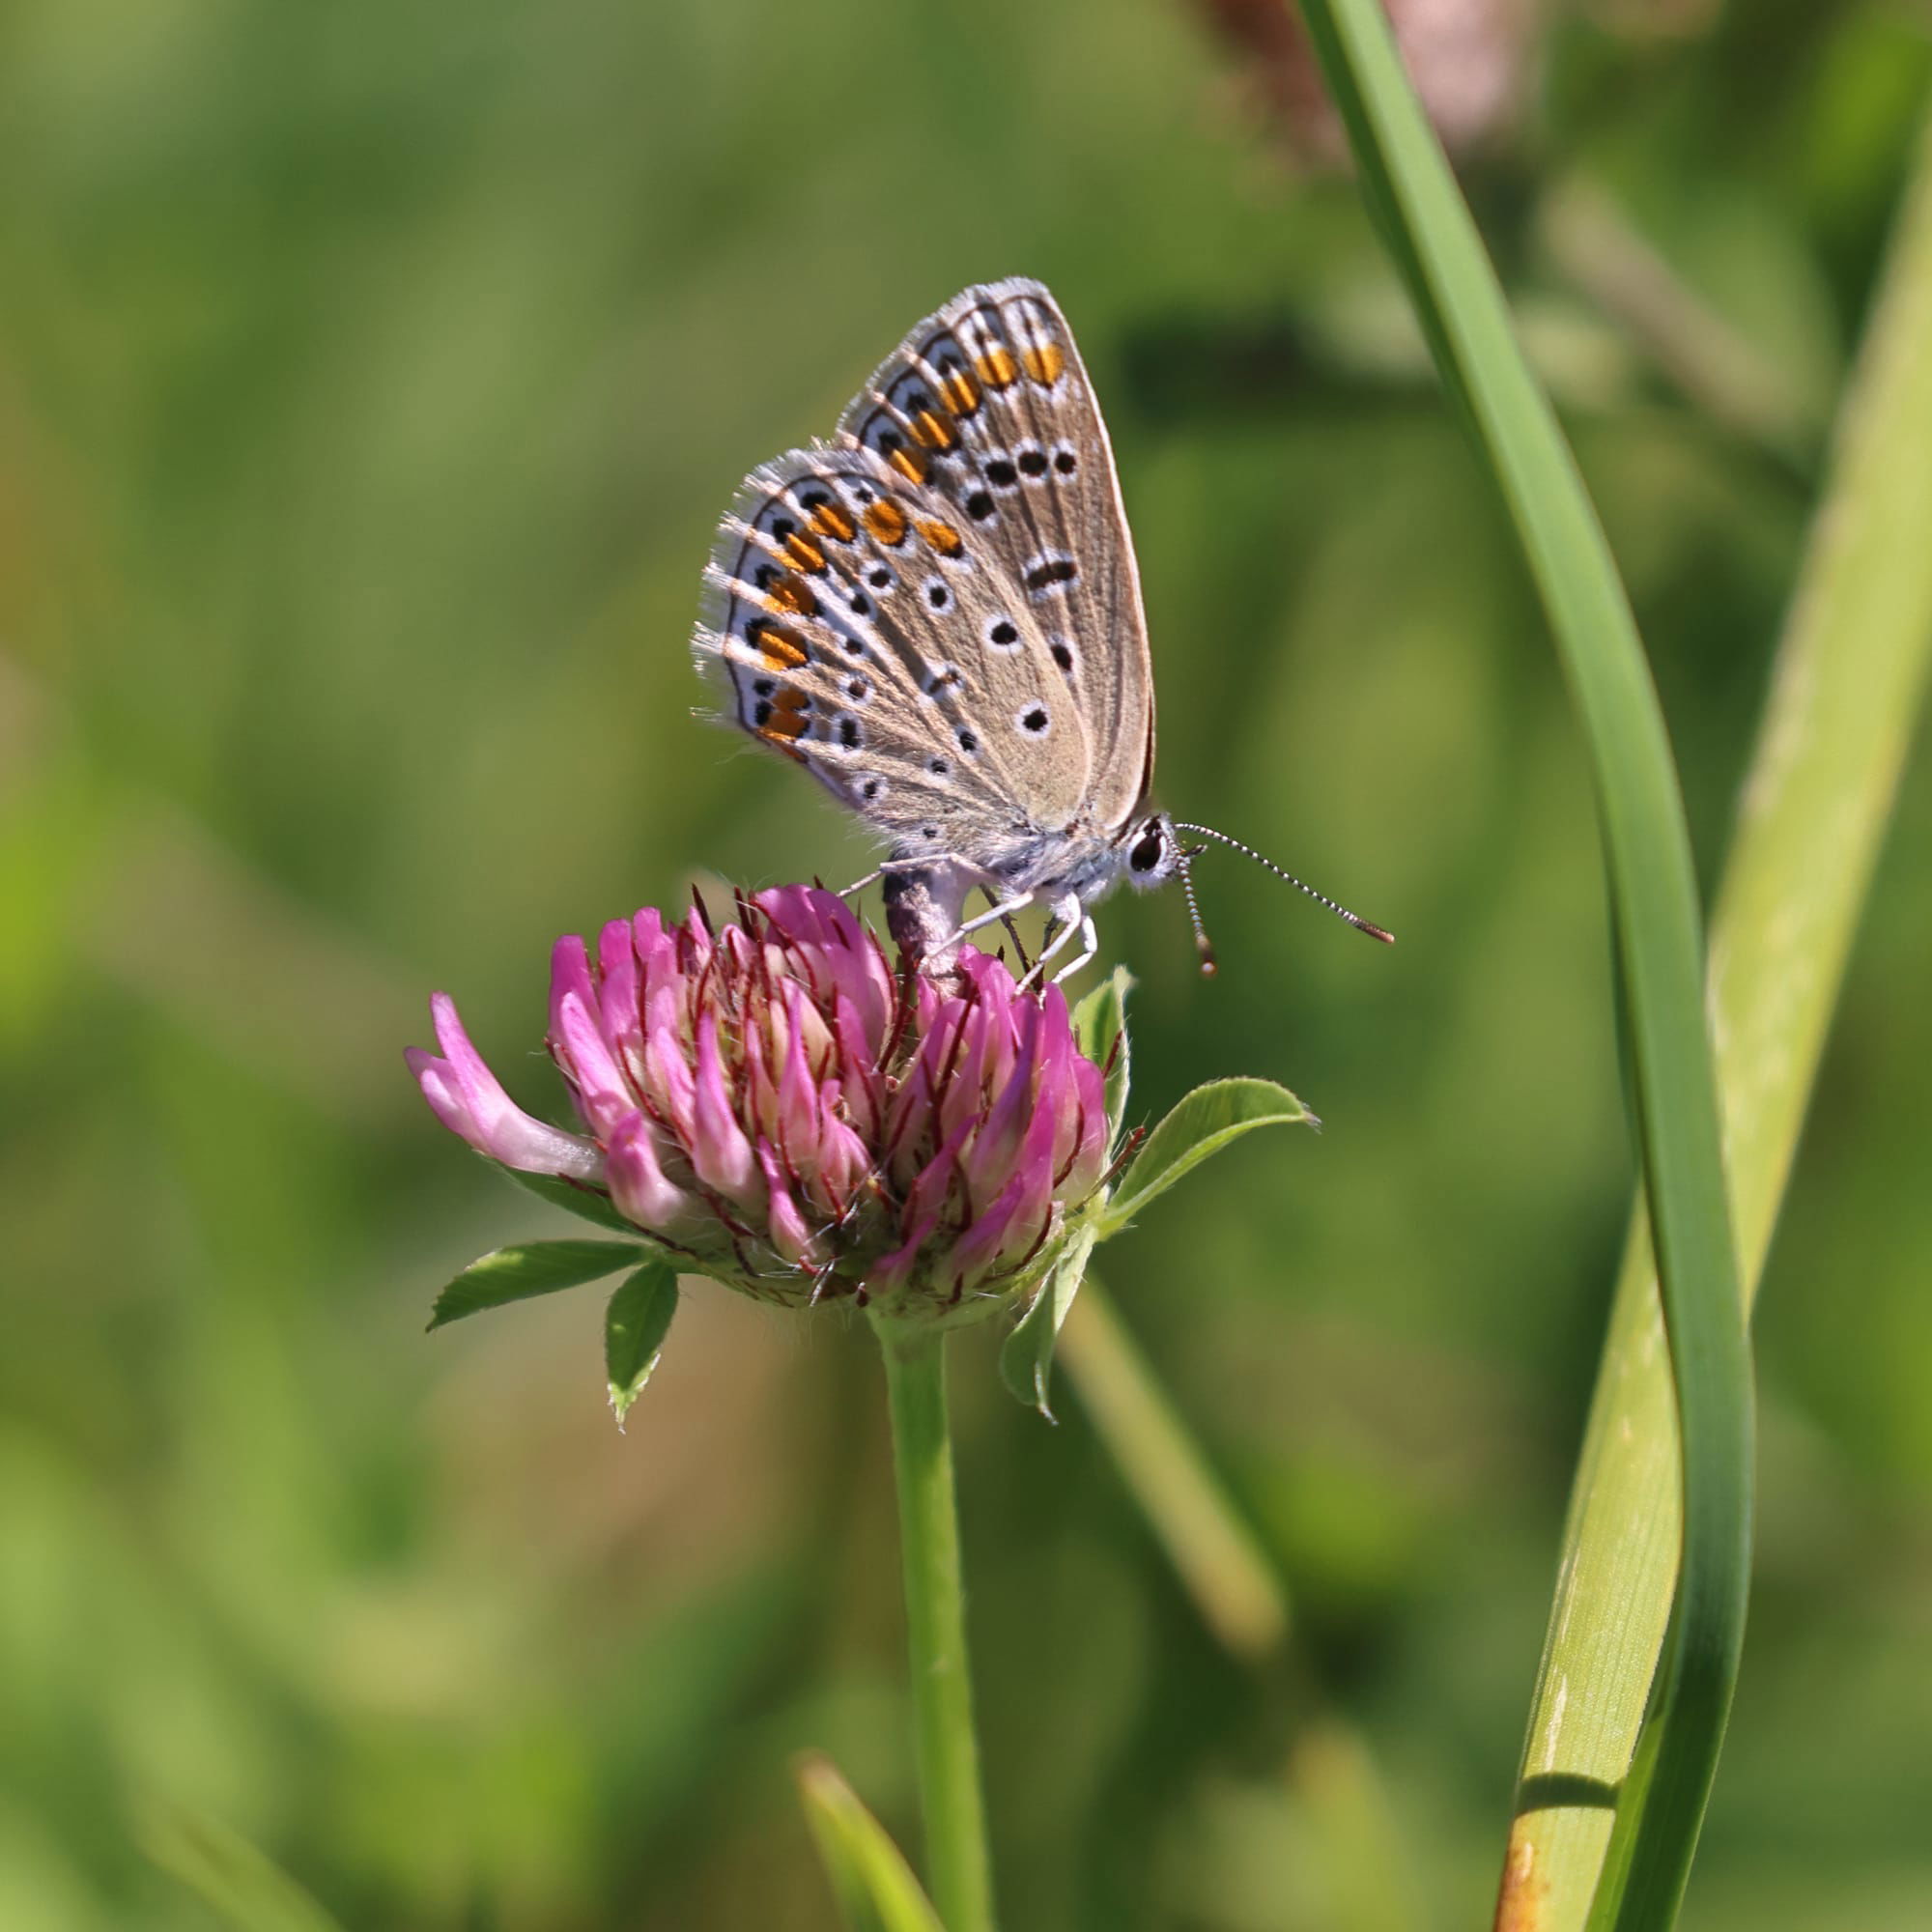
1148,851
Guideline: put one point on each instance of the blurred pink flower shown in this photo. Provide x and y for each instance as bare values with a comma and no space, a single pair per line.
774,1104
1468,59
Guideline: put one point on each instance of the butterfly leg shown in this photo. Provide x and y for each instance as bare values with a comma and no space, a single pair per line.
886,868
1090,945
1002,909
1012,933
1068,916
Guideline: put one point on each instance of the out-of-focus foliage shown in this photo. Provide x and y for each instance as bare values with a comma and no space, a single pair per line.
370,378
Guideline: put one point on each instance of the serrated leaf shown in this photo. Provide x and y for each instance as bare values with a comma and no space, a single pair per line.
573,1198
536,1268
1026,1359
1098,1021
635,1324
875,1885
1200,1126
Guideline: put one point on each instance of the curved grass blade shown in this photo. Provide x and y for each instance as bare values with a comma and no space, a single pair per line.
239,1883
1654,912
875,1885
1847,686
1217,1554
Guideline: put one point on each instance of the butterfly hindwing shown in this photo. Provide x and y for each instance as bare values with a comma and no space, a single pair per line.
850,627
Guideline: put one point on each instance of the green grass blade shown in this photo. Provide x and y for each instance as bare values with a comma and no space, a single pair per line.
1655,916
875,1885
1849,679
1217,1556
241,1885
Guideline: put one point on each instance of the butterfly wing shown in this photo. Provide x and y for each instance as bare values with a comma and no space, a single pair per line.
848,625
986,405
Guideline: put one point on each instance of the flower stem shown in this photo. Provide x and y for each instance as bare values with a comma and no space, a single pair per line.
957,1869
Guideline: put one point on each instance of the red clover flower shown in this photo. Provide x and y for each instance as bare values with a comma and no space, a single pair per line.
772,1104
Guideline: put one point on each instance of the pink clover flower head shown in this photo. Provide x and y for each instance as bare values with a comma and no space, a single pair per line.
777,1107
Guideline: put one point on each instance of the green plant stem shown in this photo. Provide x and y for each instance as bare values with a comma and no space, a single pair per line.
1655,916
959,1870
1848,682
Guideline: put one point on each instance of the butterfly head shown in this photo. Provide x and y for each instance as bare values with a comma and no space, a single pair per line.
1154,851
1155,855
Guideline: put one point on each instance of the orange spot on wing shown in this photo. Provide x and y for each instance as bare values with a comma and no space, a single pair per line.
958,391
792,595
782,649
786,722
829,520
887,521
942,537
806,554
933,431
910,464
997,368
1044,363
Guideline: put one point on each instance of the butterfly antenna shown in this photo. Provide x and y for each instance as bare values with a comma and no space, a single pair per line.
1301,886
1200,939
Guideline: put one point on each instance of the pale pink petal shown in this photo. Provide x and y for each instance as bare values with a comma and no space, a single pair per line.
790,1235
999,1139
569,973
603,1094
1002,1236
635,1173
798,1094
469,1100
719,1150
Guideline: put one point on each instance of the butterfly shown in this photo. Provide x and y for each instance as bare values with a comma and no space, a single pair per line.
938,614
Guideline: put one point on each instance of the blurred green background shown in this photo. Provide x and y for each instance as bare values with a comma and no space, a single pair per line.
371,376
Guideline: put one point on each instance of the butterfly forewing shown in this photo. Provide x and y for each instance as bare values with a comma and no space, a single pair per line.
987,406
